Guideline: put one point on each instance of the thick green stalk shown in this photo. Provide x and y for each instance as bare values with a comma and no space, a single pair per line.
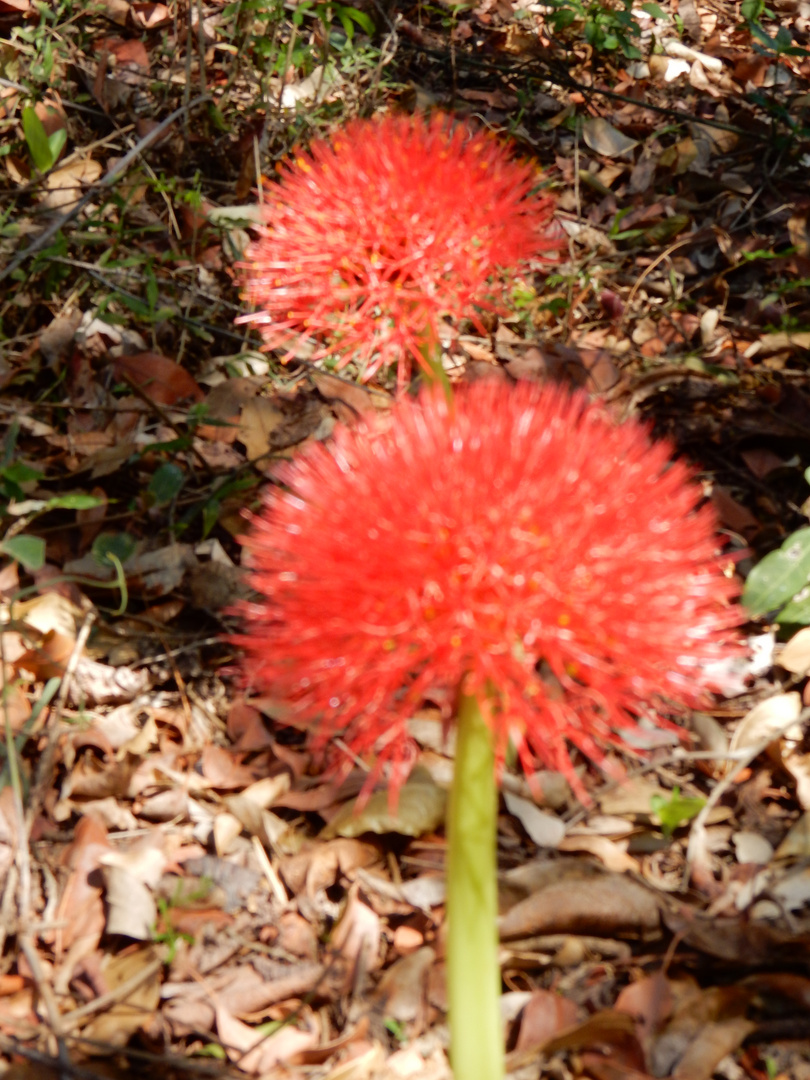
433,359
473,972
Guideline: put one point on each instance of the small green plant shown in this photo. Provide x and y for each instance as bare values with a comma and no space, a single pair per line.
395,1029
28,550
168,935
606,27
43,148
163,931
781,44
676,810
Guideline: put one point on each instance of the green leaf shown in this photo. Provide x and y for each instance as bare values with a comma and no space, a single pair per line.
675,810
211,1050
654,10
18,473
107,546
152,294
796,612
166,483
563,18
217,118
37,140
751,10
779,576
56,141
27,550
360,17
77,501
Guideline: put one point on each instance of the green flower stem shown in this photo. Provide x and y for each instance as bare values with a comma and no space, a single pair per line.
473,972
433,359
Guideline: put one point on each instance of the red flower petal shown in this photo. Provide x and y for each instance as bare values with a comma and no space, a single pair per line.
522,541
373,240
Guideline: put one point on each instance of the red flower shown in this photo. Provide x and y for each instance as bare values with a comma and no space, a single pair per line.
519,540
372,241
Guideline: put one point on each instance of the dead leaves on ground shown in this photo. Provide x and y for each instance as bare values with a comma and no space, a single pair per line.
193,881
261,947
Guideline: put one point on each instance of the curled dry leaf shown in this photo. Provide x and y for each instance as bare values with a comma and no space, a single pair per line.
63,187
402,991
80,915
420,810
357,938
131,907
770,718
715,1041
546,830
605,904
254,1053
797,842
605,139
612,854
795,656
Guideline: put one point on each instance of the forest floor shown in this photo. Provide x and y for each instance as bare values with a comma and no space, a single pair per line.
181,888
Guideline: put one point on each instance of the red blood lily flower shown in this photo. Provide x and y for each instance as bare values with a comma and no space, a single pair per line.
517,544
371,241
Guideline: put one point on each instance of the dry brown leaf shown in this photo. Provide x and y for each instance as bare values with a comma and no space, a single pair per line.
546,830
80,914
420,810
260,419
150,15
254,1053
224,403
613,855
115,1026
316,866
715,1041
131,908
797,842
117,11
161,379
402,990
605,139
357,938
650,1002
225,770
795,656
63,187
768,719
606,904
543,1017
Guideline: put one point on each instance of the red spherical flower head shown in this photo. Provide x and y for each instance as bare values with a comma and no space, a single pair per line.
518,543
372,240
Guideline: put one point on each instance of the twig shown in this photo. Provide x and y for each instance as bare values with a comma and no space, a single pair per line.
697,832
112,176
46,996
112,997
